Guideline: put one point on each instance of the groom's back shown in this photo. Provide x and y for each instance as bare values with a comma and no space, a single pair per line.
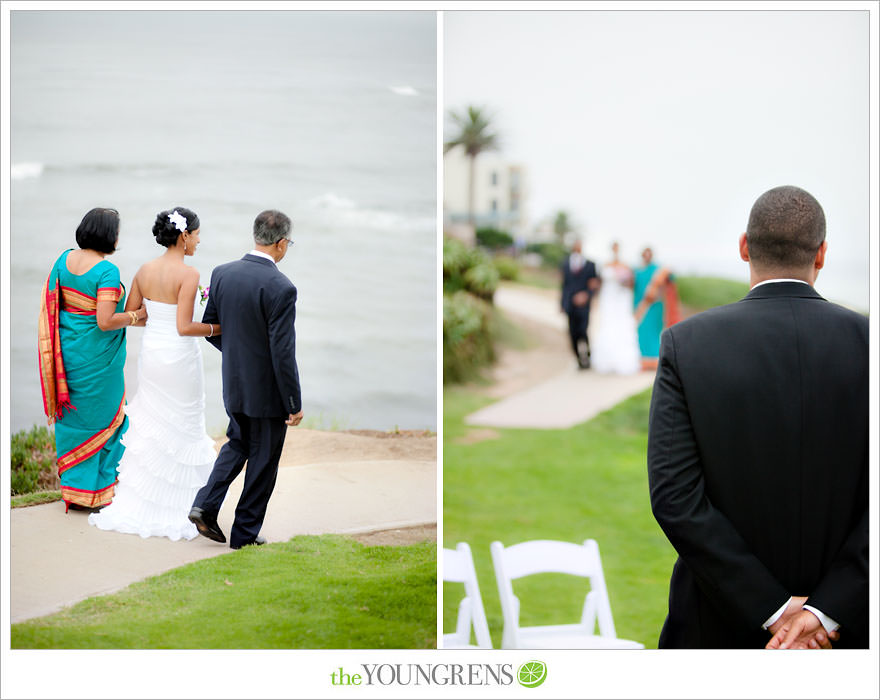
777,391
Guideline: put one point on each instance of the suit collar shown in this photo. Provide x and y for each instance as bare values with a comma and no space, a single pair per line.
783,289
259,259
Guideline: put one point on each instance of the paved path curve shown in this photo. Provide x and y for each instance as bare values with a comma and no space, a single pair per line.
571,397
57,560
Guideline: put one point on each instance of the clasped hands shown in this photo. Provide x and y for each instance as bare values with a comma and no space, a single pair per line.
799,629
580,298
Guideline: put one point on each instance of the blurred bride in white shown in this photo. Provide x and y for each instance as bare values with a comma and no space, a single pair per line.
616,345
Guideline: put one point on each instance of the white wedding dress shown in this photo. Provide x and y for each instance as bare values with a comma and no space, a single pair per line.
615,349
168,455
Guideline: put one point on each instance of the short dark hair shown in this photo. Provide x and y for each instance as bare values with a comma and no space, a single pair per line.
99,230
271,226
786,228
166,233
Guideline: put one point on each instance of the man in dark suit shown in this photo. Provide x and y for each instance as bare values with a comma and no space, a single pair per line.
255,305
758,452
579,282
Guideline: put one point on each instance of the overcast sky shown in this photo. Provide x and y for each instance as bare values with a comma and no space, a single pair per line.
663,127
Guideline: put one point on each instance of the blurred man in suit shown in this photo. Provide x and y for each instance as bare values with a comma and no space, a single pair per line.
255,304
758,452
579,283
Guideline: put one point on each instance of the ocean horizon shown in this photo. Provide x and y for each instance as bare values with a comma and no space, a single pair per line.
329,117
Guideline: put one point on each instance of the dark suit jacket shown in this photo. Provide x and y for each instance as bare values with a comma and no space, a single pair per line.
758,465
572,283
255,304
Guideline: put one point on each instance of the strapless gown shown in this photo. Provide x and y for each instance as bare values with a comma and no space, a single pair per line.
615,349
168,455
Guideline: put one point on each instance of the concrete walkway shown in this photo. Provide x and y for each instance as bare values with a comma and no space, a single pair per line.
57,560
571,397
541,305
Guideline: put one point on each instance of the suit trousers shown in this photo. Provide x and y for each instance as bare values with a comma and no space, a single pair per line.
578,319
257,441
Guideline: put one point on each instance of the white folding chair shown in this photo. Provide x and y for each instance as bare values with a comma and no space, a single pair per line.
458,567
550,556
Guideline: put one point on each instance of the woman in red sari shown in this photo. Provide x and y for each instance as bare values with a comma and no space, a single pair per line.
82,355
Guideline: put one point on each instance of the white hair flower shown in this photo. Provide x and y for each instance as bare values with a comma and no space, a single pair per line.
178,220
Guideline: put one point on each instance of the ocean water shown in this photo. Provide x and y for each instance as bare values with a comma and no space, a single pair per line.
329,117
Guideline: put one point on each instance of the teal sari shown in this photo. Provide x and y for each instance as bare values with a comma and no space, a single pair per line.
651,325
654,290
81,371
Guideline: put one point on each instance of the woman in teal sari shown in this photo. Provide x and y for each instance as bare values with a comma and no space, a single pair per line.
656,306
82,354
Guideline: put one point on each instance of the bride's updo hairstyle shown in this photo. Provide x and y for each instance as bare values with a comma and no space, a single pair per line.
167,227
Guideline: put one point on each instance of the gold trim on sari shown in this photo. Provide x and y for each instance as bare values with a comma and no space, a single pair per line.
109,294
53,379
88,499
93,444
76,302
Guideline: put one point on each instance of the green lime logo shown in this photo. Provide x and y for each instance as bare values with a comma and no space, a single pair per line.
531,674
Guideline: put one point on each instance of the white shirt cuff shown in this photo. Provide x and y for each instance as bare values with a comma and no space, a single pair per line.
775,616
829,624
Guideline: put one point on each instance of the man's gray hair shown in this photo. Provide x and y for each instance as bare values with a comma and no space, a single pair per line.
270,227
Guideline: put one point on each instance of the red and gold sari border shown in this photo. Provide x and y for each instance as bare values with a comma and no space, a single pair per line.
88,499
53,379
91,446
113,294
74,292
76,299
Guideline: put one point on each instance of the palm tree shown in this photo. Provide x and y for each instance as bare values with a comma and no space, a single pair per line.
474,136
561,225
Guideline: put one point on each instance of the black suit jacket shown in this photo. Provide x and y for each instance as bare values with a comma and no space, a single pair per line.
758,465
255,304
572,283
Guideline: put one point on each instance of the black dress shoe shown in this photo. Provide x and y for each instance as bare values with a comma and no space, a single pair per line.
258,541
207,525
69,505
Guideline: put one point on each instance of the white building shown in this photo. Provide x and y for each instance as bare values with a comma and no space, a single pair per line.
499,191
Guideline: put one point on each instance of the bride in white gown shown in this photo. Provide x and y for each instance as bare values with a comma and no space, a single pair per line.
616,346
168,455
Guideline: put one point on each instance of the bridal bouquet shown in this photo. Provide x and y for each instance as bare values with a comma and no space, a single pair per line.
203,293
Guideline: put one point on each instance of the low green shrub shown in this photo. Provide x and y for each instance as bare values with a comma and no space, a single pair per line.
456,259
552,254
493,238
468,269
467,338
32,458
482,280
508,268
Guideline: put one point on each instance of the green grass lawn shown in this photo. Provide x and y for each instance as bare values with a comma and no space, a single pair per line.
35,498
701,293
541,277
586,482
327,592
696,293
